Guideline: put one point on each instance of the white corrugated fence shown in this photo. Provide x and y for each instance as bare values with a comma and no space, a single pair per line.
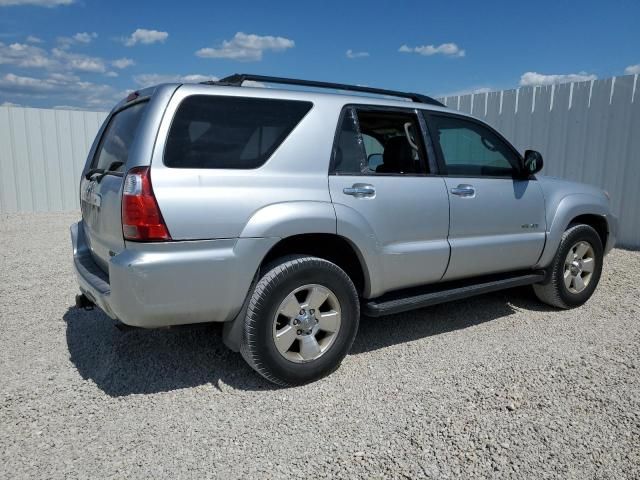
586,131
42,153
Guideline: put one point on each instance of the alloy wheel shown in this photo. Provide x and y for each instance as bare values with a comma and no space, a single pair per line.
306,323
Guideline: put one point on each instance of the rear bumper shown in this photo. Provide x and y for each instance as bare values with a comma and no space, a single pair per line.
162,284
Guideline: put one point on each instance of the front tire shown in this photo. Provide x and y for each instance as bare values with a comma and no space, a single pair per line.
575,270
301,320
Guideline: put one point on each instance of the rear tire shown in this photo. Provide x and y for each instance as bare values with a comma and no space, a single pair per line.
301,320
575,270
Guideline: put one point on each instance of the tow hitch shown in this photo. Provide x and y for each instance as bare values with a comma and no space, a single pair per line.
82,301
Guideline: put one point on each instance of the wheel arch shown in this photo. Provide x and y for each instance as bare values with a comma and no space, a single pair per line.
571,210
329,246
332,247
301,227
597,222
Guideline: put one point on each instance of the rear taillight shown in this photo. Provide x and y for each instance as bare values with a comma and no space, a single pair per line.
141,217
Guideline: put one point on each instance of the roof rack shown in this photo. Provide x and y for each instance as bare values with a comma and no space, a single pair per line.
238,78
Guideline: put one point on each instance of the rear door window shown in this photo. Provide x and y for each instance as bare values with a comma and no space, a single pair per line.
379,142
230,132
118,137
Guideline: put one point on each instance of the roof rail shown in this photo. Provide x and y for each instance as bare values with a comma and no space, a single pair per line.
238,78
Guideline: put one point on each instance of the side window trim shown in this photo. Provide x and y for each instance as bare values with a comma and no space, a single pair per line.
428,114
346,110
427,147
356,121
436,164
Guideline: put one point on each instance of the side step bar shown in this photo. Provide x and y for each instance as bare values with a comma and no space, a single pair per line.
419,297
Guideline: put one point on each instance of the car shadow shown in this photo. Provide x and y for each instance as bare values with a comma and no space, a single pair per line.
382,332
136,361
124,361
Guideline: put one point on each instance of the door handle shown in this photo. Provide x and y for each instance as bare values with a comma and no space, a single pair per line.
359,190
464,190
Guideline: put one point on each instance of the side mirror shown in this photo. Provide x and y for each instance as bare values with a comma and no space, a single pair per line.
533,162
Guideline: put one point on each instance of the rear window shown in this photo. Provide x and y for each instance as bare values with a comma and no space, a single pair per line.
230,132
118,137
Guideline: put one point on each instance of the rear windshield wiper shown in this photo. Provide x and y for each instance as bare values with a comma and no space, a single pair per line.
102,171
110,170
92,171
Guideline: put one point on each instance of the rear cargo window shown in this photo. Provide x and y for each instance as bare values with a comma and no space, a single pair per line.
230,132
118,137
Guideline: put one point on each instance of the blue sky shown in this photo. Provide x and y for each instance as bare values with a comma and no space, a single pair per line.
89,54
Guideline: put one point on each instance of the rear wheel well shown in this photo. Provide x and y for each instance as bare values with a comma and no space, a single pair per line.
597,222
333,248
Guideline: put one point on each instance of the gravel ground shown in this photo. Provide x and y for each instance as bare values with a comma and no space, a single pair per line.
493,387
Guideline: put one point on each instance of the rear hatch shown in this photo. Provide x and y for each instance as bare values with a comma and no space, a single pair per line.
101,185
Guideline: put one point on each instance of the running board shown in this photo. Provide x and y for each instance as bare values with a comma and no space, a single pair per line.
419,297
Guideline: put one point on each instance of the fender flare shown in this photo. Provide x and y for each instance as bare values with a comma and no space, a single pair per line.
286,219
570,207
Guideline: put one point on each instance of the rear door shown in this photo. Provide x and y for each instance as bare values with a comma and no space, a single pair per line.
497,216
101,185
381,186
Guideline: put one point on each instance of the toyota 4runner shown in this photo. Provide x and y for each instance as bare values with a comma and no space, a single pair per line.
287,213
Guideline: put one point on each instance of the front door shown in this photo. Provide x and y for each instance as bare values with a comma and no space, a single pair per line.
497,217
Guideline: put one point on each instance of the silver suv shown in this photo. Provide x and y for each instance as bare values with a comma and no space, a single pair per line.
287,213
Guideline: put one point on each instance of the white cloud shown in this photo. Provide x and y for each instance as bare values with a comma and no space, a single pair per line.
85,37
57,89
69,107
253,83
60,79
37,3
196,78
64,77
446,49
77,61
33,39
352,54
246,47
123,63
534,78
25,56
9,104
468,91
150,79
145,37
59,59
12,82
632,70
